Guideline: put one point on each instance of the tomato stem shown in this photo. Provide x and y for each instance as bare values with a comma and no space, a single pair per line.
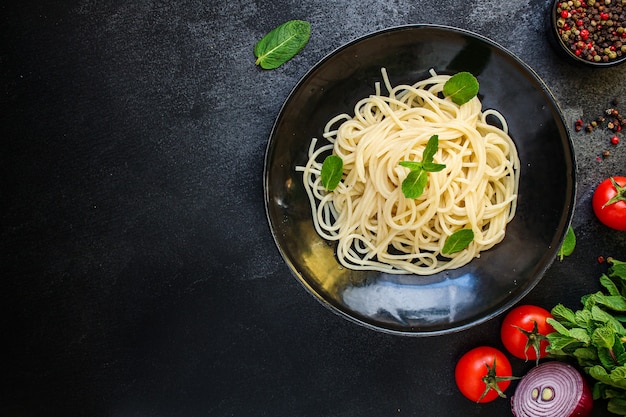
620,196
533,338
491,381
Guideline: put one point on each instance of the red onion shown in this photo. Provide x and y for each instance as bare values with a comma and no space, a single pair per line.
552,389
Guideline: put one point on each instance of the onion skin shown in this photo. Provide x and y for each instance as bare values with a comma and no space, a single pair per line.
552,389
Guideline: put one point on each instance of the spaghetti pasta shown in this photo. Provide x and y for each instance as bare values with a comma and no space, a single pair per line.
376,227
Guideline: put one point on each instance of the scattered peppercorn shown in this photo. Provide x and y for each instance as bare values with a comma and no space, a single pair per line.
614,123
591,31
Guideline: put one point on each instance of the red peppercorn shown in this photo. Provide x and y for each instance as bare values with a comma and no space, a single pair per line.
584,34
614,140
604,16
601,259
564,14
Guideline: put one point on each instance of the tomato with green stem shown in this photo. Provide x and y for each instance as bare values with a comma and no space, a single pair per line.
524,330
483,374
609,202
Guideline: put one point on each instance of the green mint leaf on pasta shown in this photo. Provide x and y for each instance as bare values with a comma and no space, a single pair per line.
412,165
432,167
461,87
414,183
282,44
458,241
569,243
332,170
431,149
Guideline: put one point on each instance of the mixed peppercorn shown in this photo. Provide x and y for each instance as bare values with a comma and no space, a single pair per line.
612,119
593,30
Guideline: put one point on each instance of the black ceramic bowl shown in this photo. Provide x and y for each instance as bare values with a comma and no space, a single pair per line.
460,298
589,32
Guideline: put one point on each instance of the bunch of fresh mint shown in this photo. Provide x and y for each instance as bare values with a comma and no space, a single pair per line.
596,338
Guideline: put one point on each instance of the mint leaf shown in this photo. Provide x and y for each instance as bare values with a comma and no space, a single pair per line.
582,335
282,43
613,302
569,243
432,167
332,170
559,342
458,241
414,183
558,326
618,269
563,315
412,165
610,286
431,149
603,337
461,87
617,406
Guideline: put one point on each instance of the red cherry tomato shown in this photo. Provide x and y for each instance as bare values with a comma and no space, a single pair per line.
524,331
483,374
609,202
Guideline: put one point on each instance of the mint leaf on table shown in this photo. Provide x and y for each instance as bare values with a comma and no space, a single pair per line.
458,241
282,44
568,245
595,337
461,87
415,182
332,170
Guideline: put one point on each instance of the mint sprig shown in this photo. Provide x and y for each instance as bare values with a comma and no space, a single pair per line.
595,336
415,182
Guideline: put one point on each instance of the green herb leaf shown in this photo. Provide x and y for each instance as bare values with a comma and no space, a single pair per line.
332,170
569,243
618,269
564,315
431,149
432,167
414,183
458,241
610,286
559,342
617,406
412,165
461,87
282,44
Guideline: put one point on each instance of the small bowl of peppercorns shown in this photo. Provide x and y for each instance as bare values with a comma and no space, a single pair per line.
591,32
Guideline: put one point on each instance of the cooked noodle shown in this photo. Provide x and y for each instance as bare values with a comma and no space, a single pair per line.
376,227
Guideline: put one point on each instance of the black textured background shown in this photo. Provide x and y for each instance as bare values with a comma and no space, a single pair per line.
138,273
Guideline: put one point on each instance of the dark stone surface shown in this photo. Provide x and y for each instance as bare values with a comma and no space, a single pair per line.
139,275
